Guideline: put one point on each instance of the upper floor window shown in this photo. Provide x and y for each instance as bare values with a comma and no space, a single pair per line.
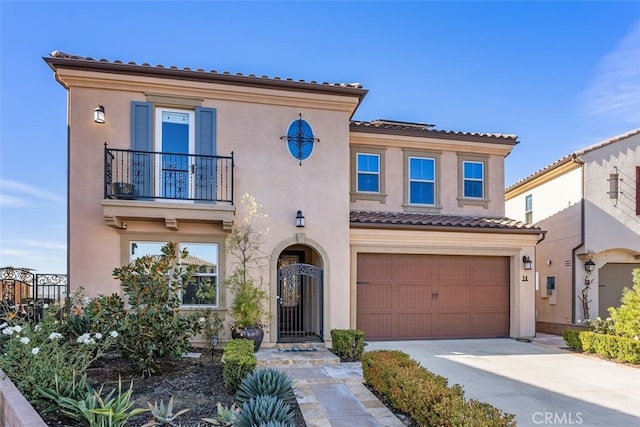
422,181
473,178
473,175
202,287
368,173
367,176
528,209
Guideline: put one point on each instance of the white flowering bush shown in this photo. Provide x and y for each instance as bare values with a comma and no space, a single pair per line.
37,356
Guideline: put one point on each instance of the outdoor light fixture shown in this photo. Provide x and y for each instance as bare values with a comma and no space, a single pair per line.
98,114
527,262
299,219
589,266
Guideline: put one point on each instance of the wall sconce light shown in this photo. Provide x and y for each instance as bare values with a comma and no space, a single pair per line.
527,262
299,219
98,114
589,266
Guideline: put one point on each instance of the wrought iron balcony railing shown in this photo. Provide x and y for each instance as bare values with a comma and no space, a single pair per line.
148,175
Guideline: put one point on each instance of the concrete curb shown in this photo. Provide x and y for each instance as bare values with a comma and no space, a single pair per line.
15,410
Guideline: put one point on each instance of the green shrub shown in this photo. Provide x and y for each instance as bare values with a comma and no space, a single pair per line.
153,327
425,396
348,344
266,382
572,338
623,349
627,316
628,350
239,361
263,410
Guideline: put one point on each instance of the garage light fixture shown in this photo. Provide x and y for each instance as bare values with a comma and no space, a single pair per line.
299,219
589,266
528,264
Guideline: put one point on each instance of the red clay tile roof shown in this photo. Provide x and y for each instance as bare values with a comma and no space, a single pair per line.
426,130
438,221
62,59
572,156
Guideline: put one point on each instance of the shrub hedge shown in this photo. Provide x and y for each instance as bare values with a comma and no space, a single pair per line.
239,361
425,396
348,344
616,347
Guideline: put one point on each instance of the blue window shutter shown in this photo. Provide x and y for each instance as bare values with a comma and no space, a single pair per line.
142,140
205,179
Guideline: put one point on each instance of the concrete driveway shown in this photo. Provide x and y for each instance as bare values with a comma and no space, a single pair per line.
540,382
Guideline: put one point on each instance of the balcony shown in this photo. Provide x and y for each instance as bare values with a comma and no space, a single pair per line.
170,186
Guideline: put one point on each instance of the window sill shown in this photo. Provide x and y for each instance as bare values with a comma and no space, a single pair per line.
422,208
473,202
369,196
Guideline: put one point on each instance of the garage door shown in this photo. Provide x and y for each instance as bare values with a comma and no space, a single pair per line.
432,296
612,278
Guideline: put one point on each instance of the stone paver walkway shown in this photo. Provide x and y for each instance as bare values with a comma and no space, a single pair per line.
334,396
329,393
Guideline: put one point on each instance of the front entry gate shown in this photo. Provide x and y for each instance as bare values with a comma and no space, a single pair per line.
300,297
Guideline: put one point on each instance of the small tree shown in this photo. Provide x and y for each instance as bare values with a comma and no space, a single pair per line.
627,317
246,280
153,327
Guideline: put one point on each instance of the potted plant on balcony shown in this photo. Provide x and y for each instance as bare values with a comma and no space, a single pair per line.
122,190
245,282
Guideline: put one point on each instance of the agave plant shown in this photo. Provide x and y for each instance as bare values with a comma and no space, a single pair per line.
226,416
262,410
266,382
163,415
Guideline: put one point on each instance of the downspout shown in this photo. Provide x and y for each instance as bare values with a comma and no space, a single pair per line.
581,244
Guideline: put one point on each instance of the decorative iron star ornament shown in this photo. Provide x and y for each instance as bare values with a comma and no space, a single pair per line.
300,139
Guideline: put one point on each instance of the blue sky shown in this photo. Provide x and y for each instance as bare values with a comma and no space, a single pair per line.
560,75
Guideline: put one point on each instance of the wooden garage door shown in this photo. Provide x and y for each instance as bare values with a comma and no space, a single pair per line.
432,296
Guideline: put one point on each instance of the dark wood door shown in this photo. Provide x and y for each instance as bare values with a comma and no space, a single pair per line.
432,296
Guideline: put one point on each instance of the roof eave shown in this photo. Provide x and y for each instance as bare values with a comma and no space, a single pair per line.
202,76
448,228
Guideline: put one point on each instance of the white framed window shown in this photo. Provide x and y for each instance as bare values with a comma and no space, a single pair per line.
422,180
203,287
528,209
368,175
473,177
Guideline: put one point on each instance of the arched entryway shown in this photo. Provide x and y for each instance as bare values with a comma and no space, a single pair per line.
300,295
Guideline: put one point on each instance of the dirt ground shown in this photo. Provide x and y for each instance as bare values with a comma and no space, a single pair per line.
195,383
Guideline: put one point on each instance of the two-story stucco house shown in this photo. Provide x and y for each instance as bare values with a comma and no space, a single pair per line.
589,204
394,228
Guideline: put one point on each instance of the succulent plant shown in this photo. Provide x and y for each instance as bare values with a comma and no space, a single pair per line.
227,416
266,382
163,414
262,410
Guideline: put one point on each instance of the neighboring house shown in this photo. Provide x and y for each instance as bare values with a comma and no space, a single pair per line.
403,232
589,204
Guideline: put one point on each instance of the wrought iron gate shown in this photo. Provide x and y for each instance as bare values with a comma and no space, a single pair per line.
300,297
21,289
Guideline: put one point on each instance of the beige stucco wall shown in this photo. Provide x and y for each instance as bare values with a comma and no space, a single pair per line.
514,246
555,259
447,173
250,123
611,227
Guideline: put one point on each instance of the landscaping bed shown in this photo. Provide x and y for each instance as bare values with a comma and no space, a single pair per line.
195,383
